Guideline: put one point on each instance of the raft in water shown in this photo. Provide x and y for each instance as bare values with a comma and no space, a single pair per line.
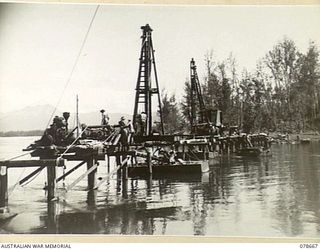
253,152
182,167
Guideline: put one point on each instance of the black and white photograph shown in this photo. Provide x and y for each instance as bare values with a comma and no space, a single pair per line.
160,120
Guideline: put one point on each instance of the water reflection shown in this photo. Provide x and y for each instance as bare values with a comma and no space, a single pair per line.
279,188
271,196
52,222
91,199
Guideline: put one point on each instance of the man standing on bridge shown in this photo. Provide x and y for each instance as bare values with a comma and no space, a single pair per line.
104,118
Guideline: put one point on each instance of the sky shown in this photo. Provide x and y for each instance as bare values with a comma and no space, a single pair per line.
39,44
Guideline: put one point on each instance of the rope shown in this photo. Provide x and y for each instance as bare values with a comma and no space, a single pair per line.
10,191
12,188
75,63
16,157
93,168
112,173
24,169
35,176
75,140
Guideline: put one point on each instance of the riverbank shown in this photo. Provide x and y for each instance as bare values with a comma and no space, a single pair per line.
312,136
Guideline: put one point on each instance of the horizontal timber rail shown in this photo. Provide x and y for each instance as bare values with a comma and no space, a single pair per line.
34,163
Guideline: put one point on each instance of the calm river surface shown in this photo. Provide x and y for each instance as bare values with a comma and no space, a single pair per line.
278,196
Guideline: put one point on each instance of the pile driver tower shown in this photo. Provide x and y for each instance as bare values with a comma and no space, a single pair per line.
144,88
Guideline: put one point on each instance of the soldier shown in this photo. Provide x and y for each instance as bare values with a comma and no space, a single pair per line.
130,127
123,133
143,122
130,130
86,133
104,118
138,125
46,139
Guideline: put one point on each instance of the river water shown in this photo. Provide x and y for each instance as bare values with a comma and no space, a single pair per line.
277,196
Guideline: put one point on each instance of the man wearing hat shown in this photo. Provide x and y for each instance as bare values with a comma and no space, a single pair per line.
121,123
123,133
104,118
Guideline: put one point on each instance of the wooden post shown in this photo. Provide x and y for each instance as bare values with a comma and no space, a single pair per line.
91,198
124,168
3,187
51,179
149,185
240,143
108,163
118,162
118,184
183,152
213,145
52,222
91,176
149,162
124,186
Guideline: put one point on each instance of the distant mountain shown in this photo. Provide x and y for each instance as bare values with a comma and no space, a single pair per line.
37,118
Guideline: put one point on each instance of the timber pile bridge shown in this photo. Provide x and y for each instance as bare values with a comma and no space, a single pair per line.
140,148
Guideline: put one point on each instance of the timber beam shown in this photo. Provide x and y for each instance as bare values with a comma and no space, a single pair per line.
34,163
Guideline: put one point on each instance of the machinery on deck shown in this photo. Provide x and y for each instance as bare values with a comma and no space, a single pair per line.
207,121
147,131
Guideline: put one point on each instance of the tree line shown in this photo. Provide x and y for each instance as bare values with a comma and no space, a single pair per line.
281,94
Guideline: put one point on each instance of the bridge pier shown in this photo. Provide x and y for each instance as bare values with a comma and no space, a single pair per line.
91,176
118,162
51,182
3,188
